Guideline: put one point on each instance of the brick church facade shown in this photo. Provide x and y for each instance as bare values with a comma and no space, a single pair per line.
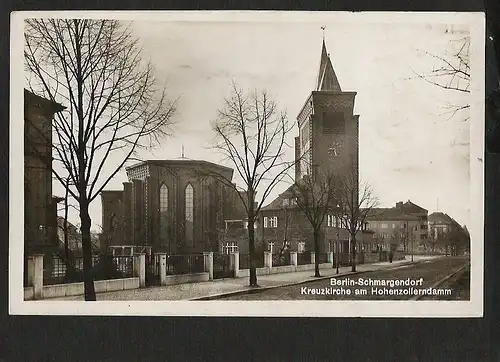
170,206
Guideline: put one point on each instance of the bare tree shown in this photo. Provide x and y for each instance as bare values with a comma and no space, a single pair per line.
356,200
451,71
252,135
316,197
114,105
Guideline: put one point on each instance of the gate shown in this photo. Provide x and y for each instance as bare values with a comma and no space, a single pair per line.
152,270
222,266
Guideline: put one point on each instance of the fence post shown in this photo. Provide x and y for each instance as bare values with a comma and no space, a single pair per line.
330,257
208,257
235,264
313,257
163,268
268,259
293,258
140,268
37,279
31,270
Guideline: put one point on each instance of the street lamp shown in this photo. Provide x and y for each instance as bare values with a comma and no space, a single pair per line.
407,236
337,223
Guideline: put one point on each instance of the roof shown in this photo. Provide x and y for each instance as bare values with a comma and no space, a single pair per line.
33,99
178,162
402,211
277,203
442,218
327,79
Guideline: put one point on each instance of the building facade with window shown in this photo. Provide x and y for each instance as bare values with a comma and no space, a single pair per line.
40,206
402,227
176,206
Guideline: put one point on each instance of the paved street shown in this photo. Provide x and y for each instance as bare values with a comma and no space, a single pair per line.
430,271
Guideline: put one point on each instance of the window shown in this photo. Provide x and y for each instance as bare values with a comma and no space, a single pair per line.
271,222
189,199
301,246
384,226
285,202
274,222
163,198
229,248
333,221
394,226
270,247
163,211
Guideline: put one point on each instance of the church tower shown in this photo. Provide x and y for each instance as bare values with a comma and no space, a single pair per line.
328,128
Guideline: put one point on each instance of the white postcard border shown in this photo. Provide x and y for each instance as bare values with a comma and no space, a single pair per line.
472,308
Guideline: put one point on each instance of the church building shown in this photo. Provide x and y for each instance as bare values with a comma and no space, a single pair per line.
173,206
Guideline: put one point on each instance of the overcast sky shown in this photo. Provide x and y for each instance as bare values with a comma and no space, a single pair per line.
409,149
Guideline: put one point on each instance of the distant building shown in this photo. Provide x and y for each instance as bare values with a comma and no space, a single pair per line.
40,207
73,233
402,226
175,206
447,235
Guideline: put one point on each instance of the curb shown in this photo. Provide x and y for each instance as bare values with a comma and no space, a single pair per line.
254,290
442,280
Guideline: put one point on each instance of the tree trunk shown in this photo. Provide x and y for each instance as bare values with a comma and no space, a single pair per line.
251,243
316,252
88,281
353,253
66,241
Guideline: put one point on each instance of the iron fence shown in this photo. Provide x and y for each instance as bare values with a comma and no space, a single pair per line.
124,265
103,267
222,266
304,258
245,261
322,258
281,259
185,264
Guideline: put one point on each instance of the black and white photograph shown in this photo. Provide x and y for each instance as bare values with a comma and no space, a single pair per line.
301,164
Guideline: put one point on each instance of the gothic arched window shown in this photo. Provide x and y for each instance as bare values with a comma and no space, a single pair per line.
163,211
189,200
163,198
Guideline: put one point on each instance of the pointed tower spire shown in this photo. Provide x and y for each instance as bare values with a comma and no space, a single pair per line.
327,79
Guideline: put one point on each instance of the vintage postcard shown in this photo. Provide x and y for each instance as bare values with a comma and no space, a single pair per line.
247,164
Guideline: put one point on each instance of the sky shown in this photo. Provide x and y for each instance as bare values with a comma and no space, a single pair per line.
410,148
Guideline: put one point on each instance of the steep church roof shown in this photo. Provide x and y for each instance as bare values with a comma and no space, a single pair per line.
327,80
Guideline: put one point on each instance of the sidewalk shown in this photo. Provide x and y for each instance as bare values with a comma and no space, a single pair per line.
212,289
